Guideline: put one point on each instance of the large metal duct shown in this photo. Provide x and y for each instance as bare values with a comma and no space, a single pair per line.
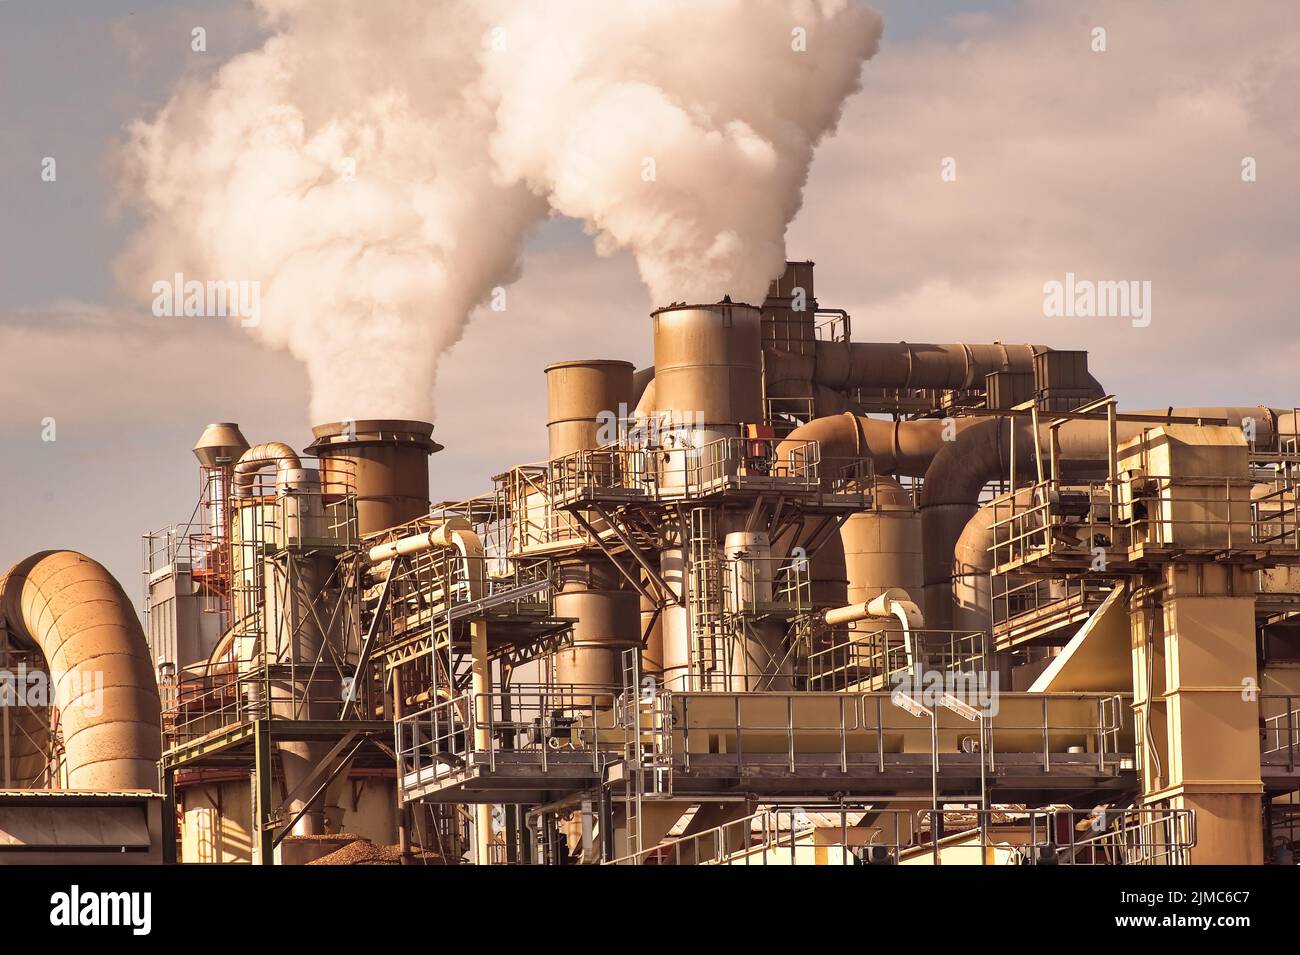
953,366
970,581
579,394
828,370
982,453
72,610
905,448
276,453
385,461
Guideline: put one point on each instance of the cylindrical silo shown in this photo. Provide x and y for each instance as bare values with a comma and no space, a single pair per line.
581,397
708,379
386,462
882,546
758,658
584,398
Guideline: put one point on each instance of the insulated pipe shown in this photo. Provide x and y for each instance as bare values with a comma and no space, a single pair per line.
259,456
452,533
892,603
970,582
982,453
71,609
902,447
848,365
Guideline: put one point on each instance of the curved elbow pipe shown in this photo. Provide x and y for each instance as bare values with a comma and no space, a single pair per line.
454,535
260,456
72,610
899,447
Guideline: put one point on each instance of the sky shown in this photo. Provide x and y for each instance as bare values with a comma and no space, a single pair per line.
1119,164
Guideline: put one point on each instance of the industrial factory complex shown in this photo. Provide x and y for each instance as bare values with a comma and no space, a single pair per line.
783,598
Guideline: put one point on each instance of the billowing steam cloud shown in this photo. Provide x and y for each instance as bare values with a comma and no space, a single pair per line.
376,167
681,130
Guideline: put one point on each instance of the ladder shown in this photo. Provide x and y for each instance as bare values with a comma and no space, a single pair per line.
710,638
643,711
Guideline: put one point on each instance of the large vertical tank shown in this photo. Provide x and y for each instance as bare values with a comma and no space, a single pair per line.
581,397
708,379
882,546
385,460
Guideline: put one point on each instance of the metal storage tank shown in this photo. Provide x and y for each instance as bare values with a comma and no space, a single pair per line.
577,393
708,376
385,460
582,395
882,546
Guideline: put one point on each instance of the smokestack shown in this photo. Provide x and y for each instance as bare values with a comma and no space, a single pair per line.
385,461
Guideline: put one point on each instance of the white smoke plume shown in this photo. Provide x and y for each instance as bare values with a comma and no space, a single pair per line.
376,166
678,129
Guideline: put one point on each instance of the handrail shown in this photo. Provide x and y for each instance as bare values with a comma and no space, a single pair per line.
545,722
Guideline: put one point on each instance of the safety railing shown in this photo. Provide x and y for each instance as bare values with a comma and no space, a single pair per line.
538,721
168,547
1035,605
788,836
1056,836
784,414
569,727
997,836
204,703
1280,730
1104,524
825,728
675,469
872,655
316,509
532,520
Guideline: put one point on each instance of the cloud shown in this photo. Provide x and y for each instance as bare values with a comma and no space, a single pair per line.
1119,165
